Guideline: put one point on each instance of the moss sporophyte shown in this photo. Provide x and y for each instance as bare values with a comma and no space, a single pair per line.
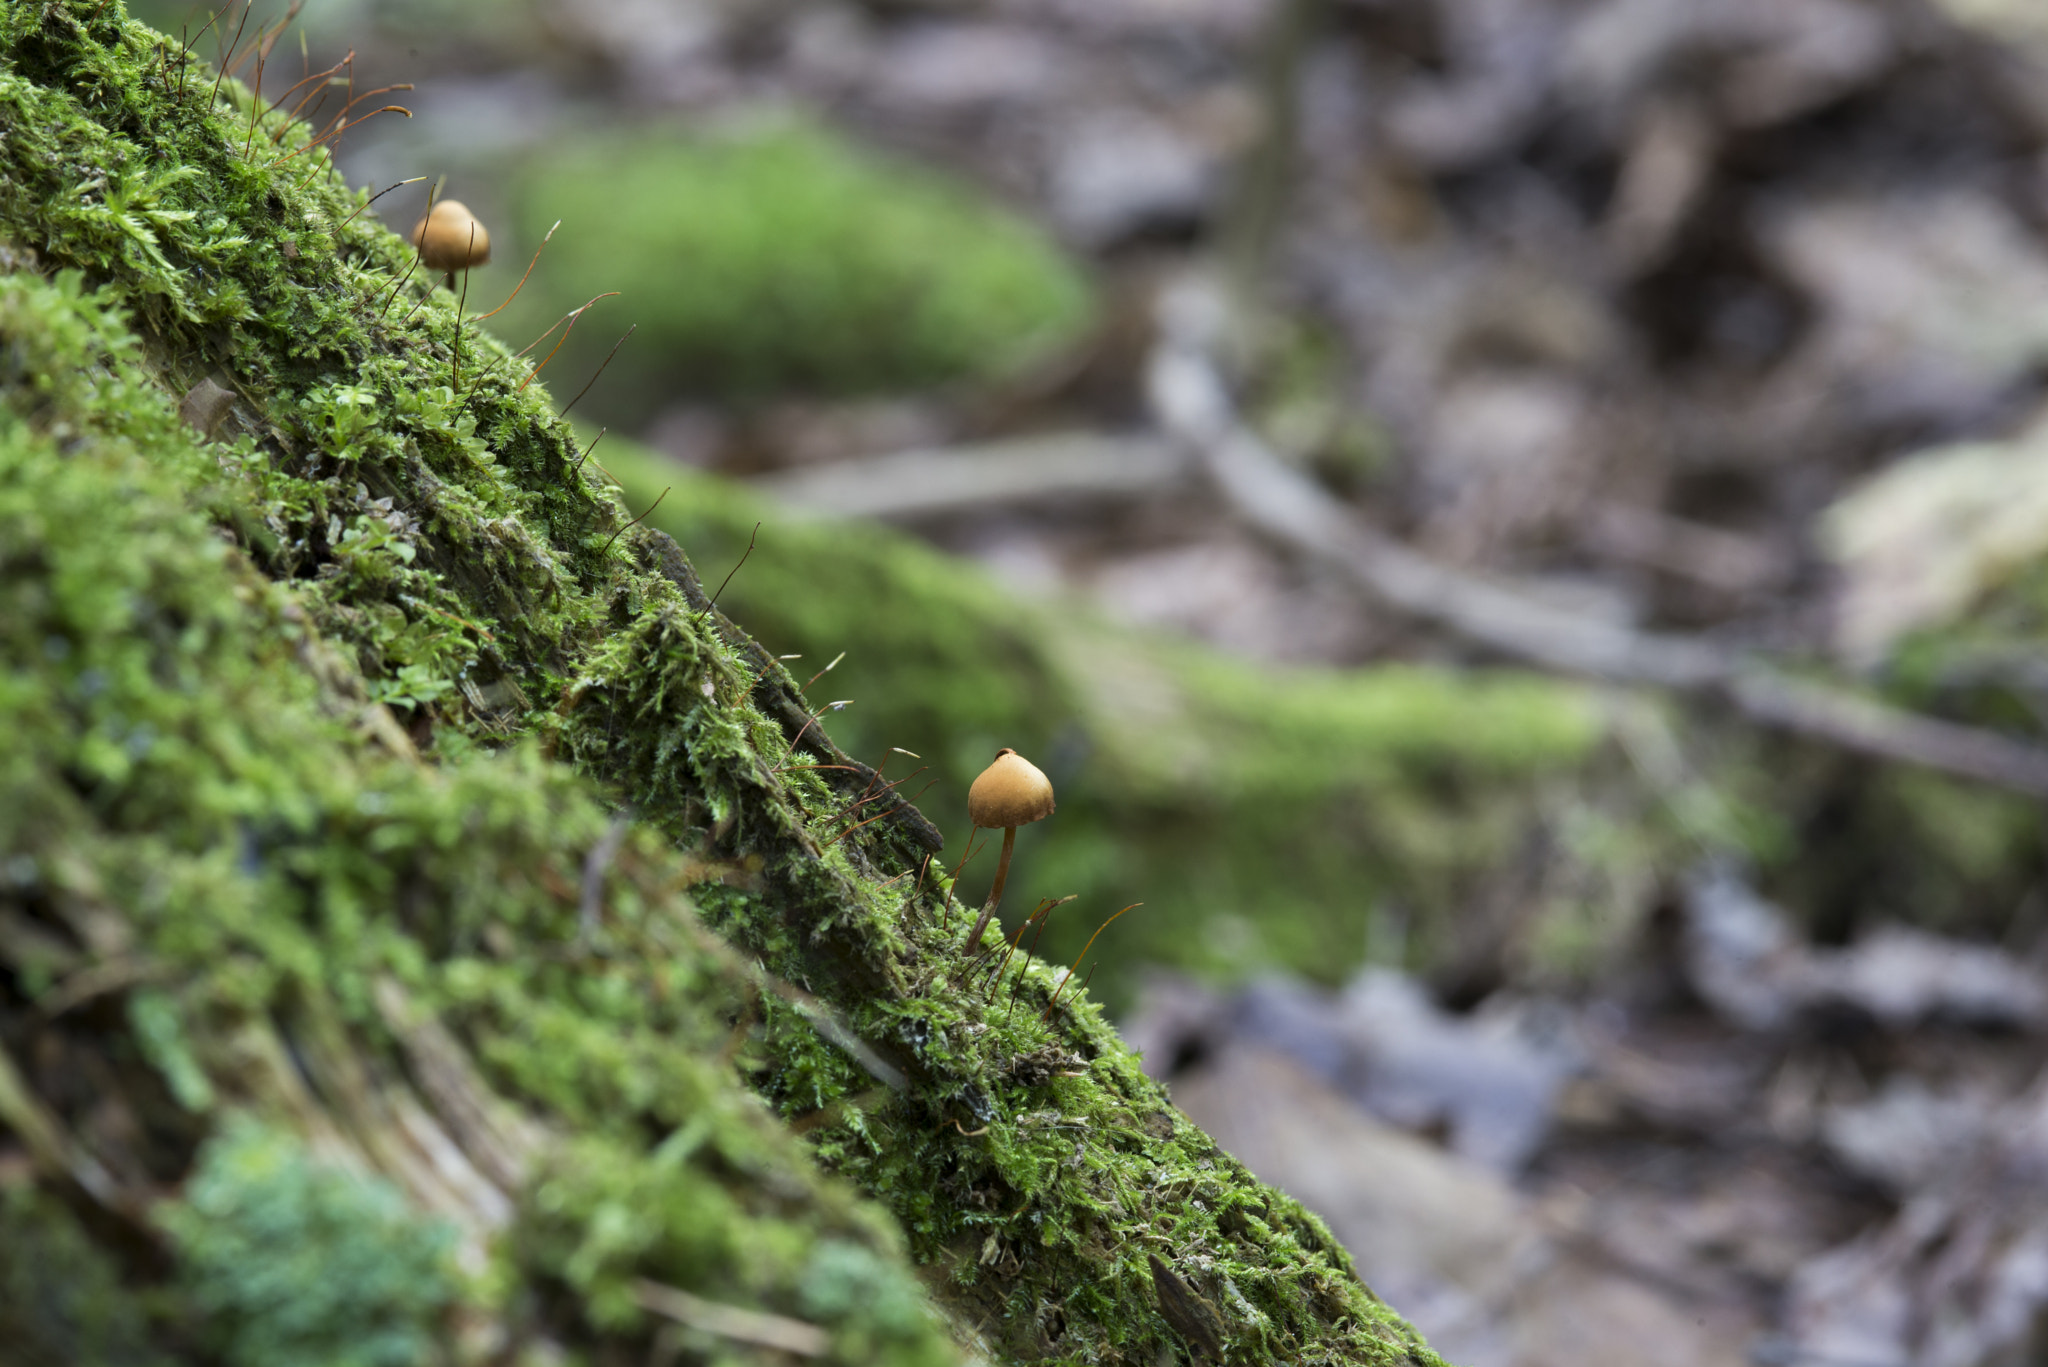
317,732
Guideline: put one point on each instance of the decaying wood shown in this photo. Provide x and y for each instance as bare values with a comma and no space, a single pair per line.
1193,1318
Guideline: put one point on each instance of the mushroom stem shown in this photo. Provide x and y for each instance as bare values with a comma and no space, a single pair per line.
995,892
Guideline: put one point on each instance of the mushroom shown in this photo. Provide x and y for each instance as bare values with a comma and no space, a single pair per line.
450,239
1011,792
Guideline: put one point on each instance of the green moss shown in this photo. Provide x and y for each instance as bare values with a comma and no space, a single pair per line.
171,757
415,925
298,1264
778,258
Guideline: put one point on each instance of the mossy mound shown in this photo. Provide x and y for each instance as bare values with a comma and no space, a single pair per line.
777,259
371,774
225,897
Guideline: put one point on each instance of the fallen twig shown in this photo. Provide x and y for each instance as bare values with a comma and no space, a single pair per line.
1191,402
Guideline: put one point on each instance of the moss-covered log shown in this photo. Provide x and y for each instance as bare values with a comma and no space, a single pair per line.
332,678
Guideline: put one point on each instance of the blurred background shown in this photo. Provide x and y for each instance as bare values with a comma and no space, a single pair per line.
1518,529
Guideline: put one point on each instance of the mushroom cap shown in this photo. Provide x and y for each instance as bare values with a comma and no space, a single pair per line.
1010,792
444,237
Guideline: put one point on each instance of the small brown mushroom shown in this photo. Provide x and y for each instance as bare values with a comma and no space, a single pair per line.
450,239
1011,792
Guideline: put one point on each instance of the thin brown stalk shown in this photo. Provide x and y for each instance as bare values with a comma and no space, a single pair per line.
1003,966
856,826
995,891
392,298
326,137
806,727
869,796
259,46
307,179
1044,921
522,279
735,570
341,123
373,199
1045,1014
305,80
341,120
283,24
317,96
255,107
622,531
961,867
185,57
214,94
326,89
600,370
574,316
826,670
586,450
872,775
1042,915
922,864
412,265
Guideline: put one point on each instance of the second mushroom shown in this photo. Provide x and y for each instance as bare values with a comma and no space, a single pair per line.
1011,792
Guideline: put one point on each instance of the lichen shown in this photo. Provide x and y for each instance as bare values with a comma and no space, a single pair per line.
323,730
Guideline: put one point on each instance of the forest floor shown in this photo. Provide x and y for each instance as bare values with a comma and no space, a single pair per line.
1712,336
